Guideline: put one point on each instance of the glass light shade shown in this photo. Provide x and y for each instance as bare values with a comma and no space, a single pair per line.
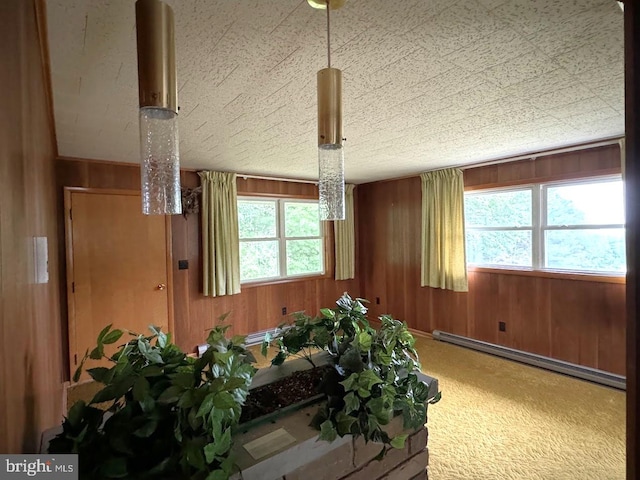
331,181
160,161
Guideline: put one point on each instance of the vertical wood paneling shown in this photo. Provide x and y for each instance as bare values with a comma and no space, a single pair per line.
255,308
579,164
31,357
577,321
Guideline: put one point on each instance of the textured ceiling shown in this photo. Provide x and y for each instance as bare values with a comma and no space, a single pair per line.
427,83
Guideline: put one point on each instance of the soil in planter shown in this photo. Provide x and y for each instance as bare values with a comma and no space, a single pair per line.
287,391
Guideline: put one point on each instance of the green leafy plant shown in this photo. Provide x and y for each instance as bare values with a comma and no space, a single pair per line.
169,415
374,377
306,334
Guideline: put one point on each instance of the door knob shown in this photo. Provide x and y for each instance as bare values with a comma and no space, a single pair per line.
161,286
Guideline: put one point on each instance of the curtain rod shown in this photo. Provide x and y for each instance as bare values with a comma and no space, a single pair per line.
543,153
276,179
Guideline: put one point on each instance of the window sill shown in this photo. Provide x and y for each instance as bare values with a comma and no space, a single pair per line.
276,281
528,272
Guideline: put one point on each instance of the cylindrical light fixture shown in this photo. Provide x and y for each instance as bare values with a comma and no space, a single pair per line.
330,149
158,93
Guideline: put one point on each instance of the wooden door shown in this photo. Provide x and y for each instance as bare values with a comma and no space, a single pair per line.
117,268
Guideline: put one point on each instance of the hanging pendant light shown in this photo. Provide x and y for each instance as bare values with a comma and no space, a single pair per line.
330,148
157,83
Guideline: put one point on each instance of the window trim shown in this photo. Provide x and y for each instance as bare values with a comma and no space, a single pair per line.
280,237
539,227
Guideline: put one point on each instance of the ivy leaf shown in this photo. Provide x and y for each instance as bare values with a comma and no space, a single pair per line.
194,456
350,383
206,405
103,333
327,313
97,353
98,373
364,339
321,336
368,379
219,447
112,337
399,440
436,399
327,431
170,395
279,359
233,383
378,407
224,400
152,371
352,361
264,348
183,379
344,423
372,424
351,402
186,400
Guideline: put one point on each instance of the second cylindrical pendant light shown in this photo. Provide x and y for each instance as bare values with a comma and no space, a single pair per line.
330,148
159,154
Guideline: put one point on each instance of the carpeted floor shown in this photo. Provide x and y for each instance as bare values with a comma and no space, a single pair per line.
499,420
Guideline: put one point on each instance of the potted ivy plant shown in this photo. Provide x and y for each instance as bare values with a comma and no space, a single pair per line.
170,415
375,375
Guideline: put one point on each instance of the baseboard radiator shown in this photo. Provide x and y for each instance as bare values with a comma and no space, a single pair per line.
585,373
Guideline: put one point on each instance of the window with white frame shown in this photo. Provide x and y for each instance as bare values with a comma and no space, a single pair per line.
573,226
279,238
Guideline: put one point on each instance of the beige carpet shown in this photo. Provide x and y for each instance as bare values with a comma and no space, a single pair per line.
499,419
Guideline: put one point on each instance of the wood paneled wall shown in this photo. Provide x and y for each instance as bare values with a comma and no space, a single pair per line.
31,371
573,320
256,308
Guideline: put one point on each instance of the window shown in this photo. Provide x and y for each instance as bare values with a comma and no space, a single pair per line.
279,238
572,226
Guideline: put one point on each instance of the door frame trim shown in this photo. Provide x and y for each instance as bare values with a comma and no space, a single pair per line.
68,239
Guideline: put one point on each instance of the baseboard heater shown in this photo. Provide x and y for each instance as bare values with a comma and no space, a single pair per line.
254,338
585,373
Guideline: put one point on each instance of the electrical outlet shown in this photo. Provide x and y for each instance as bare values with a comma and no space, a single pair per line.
284,310
502,326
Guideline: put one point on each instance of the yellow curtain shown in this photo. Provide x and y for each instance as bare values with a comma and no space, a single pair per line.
220,238
344,233
444,262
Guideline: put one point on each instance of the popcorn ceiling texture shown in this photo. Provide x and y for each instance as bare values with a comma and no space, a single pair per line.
427,83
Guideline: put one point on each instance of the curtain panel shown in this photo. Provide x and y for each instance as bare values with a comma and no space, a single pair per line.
444,262
345,239
220,237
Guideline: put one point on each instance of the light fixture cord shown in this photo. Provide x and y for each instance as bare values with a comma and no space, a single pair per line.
328,35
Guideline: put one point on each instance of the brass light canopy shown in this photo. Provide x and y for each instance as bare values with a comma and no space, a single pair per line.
322,4
158,100
157,82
